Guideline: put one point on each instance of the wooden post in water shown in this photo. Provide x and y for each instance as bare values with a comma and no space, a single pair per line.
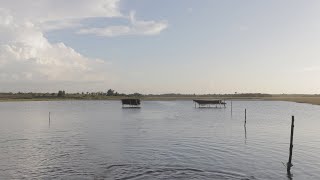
289,164
245,116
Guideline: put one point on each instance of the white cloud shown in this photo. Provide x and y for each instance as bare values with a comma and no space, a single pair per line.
26,55
55,10
137,27
59,14
58,25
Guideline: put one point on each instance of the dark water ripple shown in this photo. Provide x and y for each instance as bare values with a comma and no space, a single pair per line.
135,171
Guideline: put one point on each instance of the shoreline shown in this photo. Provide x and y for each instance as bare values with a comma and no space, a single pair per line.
296,99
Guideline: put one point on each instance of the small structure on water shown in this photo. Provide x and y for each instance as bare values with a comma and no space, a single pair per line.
208,103
130,103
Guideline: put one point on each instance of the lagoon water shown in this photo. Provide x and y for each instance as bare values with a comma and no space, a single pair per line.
162,140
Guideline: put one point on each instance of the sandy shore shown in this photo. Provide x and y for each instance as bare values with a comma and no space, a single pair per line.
310,100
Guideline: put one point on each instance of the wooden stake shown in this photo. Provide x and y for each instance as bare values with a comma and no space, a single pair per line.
289,164
245,116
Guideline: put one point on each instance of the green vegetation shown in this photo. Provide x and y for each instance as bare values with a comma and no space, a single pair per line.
62,95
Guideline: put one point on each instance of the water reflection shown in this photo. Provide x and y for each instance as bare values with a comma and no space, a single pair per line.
49,119
245,133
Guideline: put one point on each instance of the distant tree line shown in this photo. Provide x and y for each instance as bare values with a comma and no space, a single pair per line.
111,93
63,94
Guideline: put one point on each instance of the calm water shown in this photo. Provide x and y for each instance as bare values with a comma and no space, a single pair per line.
162,140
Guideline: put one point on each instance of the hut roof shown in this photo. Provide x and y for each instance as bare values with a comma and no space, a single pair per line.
134,102
209,101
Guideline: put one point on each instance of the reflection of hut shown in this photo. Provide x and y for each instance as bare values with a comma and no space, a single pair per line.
131,103
202,103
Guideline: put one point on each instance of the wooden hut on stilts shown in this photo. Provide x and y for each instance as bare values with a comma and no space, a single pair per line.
131,103
210,103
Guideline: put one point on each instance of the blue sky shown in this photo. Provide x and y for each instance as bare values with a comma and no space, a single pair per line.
186,46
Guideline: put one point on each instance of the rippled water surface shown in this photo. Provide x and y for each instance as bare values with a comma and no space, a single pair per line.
162,140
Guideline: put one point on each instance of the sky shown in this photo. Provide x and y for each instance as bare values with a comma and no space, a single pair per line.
160,46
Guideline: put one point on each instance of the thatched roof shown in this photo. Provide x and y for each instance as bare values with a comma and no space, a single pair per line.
209,101
134,102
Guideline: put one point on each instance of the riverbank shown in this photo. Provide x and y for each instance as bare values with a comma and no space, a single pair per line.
315,100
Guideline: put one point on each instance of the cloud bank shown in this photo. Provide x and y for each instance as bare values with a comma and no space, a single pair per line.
26,55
